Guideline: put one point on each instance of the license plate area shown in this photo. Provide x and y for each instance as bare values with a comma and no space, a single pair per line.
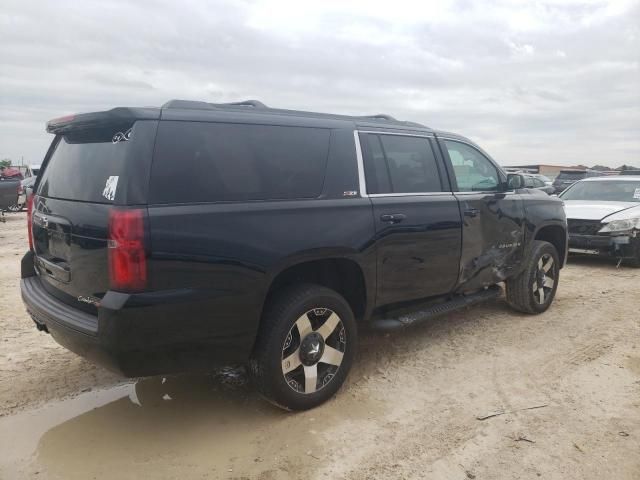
59,271
52,241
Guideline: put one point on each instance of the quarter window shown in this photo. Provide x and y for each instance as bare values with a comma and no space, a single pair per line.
474,172
228,162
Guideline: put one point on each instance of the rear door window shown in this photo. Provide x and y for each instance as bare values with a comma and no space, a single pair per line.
375,165
208,162
401,164
86,165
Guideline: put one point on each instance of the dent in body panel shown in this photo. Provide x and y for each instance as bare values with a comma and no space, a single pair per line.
493,241
541,212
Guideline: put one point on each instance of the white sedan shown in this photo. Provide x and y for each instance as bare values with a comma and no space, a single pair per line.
603,214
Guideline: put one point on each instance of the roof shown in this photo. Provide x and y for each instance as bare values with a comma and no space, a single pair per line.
611,178
259,108
252,111
537,165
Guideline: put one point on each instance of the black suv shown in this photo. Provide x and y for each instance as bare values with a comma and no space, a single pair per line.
177,238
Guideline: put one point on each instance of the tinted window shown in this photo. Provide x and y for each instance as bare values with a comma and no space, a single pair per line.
411,164
474,172
571,176
376,170
228,162
86,165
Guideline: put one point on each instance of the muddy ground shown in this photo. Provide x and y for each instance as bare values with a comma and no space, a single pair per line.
408,410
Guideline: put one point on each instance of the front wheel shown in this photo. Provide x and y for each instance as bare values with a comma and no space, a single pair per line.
305,347
534,289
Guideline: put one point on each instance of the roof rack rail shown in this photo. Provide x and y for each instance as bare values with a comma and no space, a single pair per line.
382,116
257,106
198,105
245,103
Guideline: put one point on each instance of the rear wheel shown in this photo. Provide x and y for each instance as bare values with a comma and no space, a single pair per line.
535,288
16,207
305,347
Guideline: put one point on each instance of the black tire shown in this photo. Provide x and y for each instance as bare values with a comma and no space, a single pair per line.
635,262
523,291
279,334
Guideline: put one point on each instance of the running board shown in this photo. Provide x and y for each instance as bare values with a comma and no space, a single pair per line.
387,324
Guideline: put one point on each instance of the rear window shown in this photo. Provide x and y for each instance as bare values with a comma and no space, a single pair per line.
86,165
208,162
571,176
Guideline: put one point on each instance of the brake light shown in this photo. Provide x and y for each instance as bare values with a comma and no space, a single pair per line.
127,257
29,219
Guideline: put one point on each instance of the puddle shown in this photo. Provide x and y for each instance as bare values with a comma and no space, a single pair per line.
166,427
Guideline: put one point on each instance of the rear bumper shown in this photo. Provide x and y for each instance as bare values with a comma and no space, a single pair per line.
619,246
138,334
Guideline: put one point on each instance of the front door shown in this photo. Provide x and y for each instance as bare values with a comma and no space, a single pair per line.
492,216
417,217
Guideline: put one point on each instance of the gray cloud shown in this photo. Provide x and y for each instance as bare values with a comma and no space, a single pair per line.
550,81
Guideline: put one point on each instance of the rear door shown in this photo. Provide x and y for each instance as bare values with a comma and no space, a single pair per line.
493,219
87,173
416,215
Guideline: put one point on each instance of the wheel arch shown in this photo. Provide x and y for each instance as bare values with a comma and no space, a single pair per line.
556,235
342,274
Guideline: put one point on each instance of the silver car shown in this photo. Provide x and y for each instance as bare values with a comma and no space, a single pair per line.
603,214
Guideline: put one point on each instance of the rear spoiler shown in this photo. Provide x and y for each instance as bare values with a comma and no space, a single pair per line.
88,120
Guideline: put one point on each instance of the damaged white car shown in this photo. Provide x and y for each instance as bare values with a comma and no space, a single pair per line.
603,214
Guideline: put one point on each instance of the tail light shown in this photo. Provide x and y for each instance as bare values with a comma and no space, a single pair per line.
29,219
127,256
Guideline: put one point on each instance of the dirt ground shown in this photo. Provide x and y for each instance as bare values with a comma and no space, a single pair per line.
409,408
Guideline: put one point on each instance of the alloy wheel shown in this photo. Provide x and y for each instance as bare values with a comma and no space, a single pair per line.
545,278
313,350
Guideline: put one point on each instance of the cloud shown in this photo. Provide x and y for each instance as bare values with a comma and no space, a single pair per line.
549,81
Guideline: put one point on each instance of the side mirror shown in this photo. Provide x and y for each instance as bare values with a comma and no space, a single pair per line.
515,181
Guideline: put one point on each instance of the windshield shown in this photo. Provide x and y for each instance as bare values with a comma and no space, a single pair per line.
606,191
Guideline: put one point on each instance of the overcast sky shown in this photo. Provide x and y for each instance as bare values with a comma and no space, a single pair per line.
537,82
